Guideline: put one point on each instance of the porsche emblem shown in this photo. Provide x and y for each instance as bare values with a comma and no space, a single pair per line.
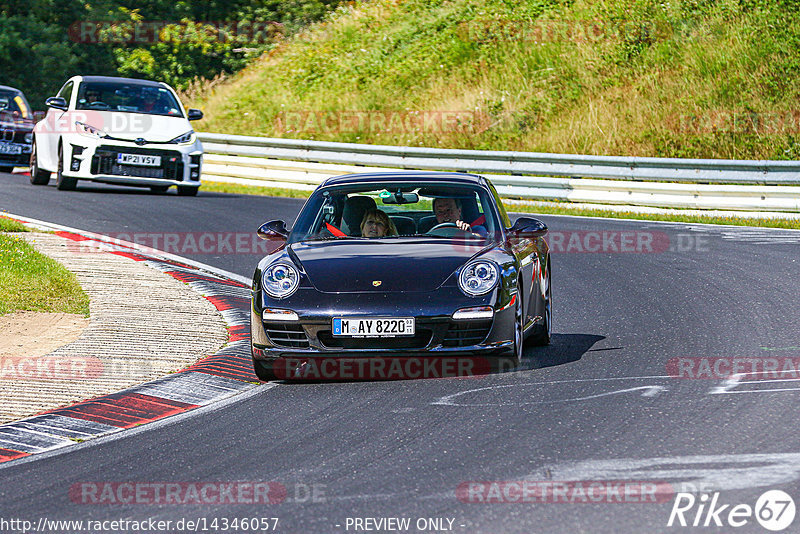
376,283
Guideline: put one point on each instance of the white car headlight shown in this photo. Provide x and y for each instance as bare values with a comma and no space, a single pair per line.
280,280
478,277
89,130
184,139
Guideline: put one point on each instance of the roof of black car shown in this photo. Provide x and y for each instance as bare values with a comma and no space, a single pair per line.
7,88
405,176
112,79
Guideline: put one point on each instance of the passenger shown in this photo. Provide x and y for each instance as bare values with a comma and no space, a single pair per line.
448,210
377,224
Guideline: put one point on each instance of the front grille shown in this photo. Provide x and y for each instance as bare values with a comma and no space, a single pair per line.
140,172
466,333
12,135
419,340
104,161
287,335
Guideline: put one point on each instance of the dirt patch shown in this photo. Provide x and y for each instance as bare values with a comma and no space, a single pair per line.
29,334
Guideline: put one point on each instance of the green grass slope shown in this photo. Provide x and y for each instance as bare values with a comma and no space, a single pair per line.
701,78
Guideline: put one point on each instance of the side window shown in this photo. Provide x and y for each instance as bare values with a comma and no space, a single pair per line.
66,92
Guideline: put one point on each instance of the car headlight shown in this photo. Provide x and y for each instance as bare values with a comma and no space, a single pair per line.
280,280
184,139
89,130
29,138
478,277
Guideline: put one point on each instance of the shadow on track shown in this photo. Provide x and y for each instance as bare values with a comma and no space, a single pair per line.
138,191
564,348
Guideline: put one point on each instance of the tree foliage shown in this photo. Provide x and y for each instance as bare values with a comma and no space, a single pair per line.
44,42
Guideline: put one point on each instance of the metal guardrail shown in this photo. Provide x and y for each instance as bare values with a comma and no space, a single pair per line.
662,182
514,163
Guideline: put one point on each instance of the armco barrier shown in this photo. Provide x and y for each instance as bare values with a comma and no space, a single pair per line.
661,182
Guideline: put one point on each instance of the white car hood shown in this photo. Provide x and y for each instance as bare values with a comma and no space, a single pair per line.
132,126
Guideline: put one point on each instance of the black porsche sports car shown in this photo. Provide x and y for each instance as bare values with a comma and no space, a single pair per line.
413,265
16,129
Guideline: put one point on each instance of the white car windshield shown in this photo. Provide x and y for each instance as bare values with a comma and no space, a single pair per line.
128,98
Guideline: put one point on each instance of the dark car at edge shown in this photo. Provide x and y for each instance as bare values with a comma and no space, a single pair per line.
16,129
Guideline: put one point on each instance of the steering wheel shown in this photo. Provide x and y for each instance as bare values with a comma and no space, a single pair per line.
443,225
447,229
99,104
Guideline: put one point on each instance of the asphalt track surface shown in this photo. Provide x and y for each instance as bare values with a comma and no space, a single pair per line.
598,404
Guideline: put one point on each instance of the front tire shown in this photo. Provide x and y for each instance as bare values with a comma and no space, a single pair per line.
265,370
38,176
64,183
519,332
544,331
187,191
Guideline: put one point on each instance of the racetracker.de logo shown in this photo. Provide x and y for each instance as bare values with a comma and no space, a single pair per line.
564,492
182,243
51,368
560,30
727,367
380,368
177,493
162,31
389,121
606,241
94,123
739,122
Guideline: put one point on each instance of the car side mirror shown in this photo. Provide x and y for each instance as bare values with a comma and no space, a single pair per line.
273,231
56,102
194,114
528,228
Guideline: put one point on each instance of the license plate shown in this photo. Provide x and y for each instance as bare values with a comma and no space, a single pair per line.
139,159
6,148
373,326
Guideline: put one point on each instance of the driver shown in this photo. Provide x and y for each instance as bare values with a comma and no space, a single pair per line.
150,102
92,95
448,210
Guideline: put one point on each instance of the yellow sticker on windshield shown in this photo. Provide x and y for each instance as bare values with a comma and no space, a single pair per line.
22,106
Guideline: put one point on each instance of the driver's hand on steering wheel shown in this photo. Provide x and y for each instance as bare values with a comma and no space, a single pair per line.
463,226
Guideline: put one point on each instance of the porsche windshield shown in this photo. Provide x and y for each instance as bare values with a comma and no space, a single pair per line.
128,98
397,210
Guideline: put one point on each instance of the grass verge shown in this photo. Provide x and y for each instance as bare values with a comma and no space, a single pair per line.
675,216
237,189
31,281
10,225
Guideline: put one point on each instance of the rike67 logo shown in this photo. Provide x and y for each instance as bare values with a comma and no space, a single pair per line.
774,510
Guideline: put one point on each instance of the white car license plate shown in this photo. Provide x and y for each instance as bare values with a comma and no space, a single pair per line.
6,148
373,326
139,159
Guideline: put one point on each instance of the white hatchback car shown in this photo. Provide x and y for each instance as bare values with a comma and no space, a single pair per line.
119,131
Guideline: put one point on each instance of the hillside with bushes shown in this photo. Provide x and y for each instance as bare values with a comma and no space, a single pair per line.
695,78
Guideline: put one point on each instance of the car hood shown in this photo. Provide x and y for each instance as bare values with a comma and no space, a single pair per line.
132,126
15,123
356,266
